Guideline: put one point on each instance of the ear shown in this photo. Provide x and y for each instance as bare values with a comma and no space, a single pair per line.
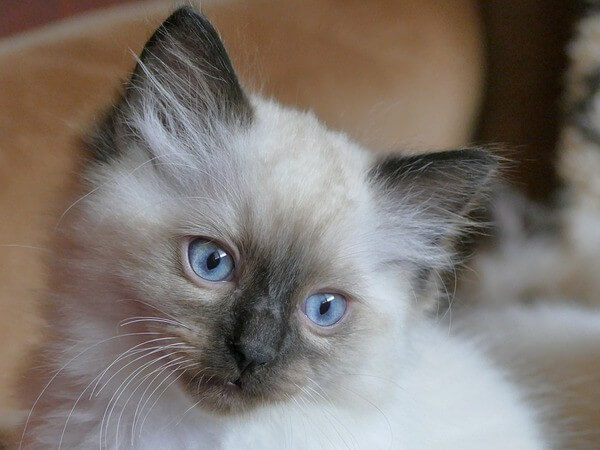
187,54
444,184
183,76
426,198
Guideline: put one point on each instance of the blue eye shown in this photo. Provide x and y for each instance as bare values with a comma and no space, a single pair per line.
209,261
325,309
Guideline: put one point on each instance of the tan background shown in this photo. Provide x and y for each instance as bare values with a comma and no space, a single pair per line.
525,58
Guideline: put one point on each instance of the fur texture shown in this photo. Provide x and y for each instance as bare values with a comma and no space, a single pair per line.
140,353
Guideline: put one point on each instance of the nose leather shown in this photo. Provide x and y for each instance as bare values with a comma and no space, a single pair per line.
257,338
250,357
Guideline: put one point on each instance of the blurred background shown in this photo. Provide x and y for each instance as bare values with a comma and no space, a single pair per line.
396,75
524,60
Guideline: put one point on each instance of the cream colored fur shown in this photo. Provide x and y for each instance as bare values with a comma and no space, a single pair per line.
407,383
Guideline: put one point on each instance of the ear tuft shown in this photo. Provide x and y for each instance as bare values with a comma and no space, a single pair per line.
184,80
441,185
425,201
185,57
188,49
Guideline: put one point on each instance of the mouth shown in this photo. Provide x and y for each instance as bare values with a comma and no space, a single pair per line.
220,384
217,393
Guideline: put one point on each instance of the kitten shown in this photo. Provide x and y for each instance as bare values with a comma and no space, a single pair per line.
237,277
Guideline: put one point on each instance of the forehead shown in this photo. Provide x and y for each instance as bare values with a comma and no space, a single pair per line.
290,191
307,200
299,172
286,180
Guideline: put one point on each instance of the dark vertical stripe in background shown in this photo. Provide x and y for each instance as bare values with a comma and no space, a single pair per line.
526,42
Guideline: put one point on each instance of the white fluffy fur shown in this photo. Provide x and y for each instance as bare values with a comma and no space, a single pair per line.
409,384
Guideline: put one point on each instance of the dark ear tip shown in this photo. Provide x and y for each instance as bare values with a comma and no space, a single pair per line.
185,15
476,164
474,154
476,161
186,10
182,22
480,157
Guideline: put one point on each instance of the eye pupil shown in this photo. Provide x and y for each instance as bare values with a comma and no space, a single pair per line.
324,307
213,260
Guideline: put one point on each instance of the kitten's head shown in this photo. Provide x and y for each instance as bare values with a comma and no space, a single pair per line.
284,255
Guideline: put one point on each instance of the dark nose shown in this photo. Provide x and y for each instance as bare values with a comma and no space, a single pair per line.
249,355
258,332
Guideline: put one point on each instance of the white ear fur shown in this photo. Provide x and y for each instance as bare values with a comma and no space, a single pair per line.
425,199
183,81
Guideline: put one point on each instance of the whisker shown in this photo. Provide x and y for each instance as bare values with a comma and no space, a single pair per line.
130,352
311,423
161,394
161,368
184,414
63,368
330,416
75,406
150,306
137,408
389,425
157,350
133,320
325,397
117,395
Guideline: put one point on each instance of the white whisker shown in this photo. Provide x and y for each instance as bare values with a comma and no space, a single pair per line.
149,306
161,368
29,247
137,408
133,320
160,395
118,393
63,368
150,350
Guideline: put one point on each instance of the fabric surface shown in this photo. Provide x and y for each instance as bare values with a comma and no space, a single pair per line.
395,75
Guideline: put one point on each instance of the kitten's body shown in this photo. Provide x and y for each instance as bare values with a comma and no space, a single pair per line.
302,210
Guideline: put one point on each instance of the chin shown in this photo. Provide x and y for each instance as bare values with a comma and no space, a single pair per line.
224,396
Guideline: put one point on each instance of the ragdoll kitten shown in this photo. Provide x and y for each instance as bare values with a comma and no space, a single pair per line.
239,277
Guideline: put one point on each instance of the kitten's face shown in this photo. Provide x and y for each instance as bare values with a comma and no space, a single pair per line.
233,248
283,255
